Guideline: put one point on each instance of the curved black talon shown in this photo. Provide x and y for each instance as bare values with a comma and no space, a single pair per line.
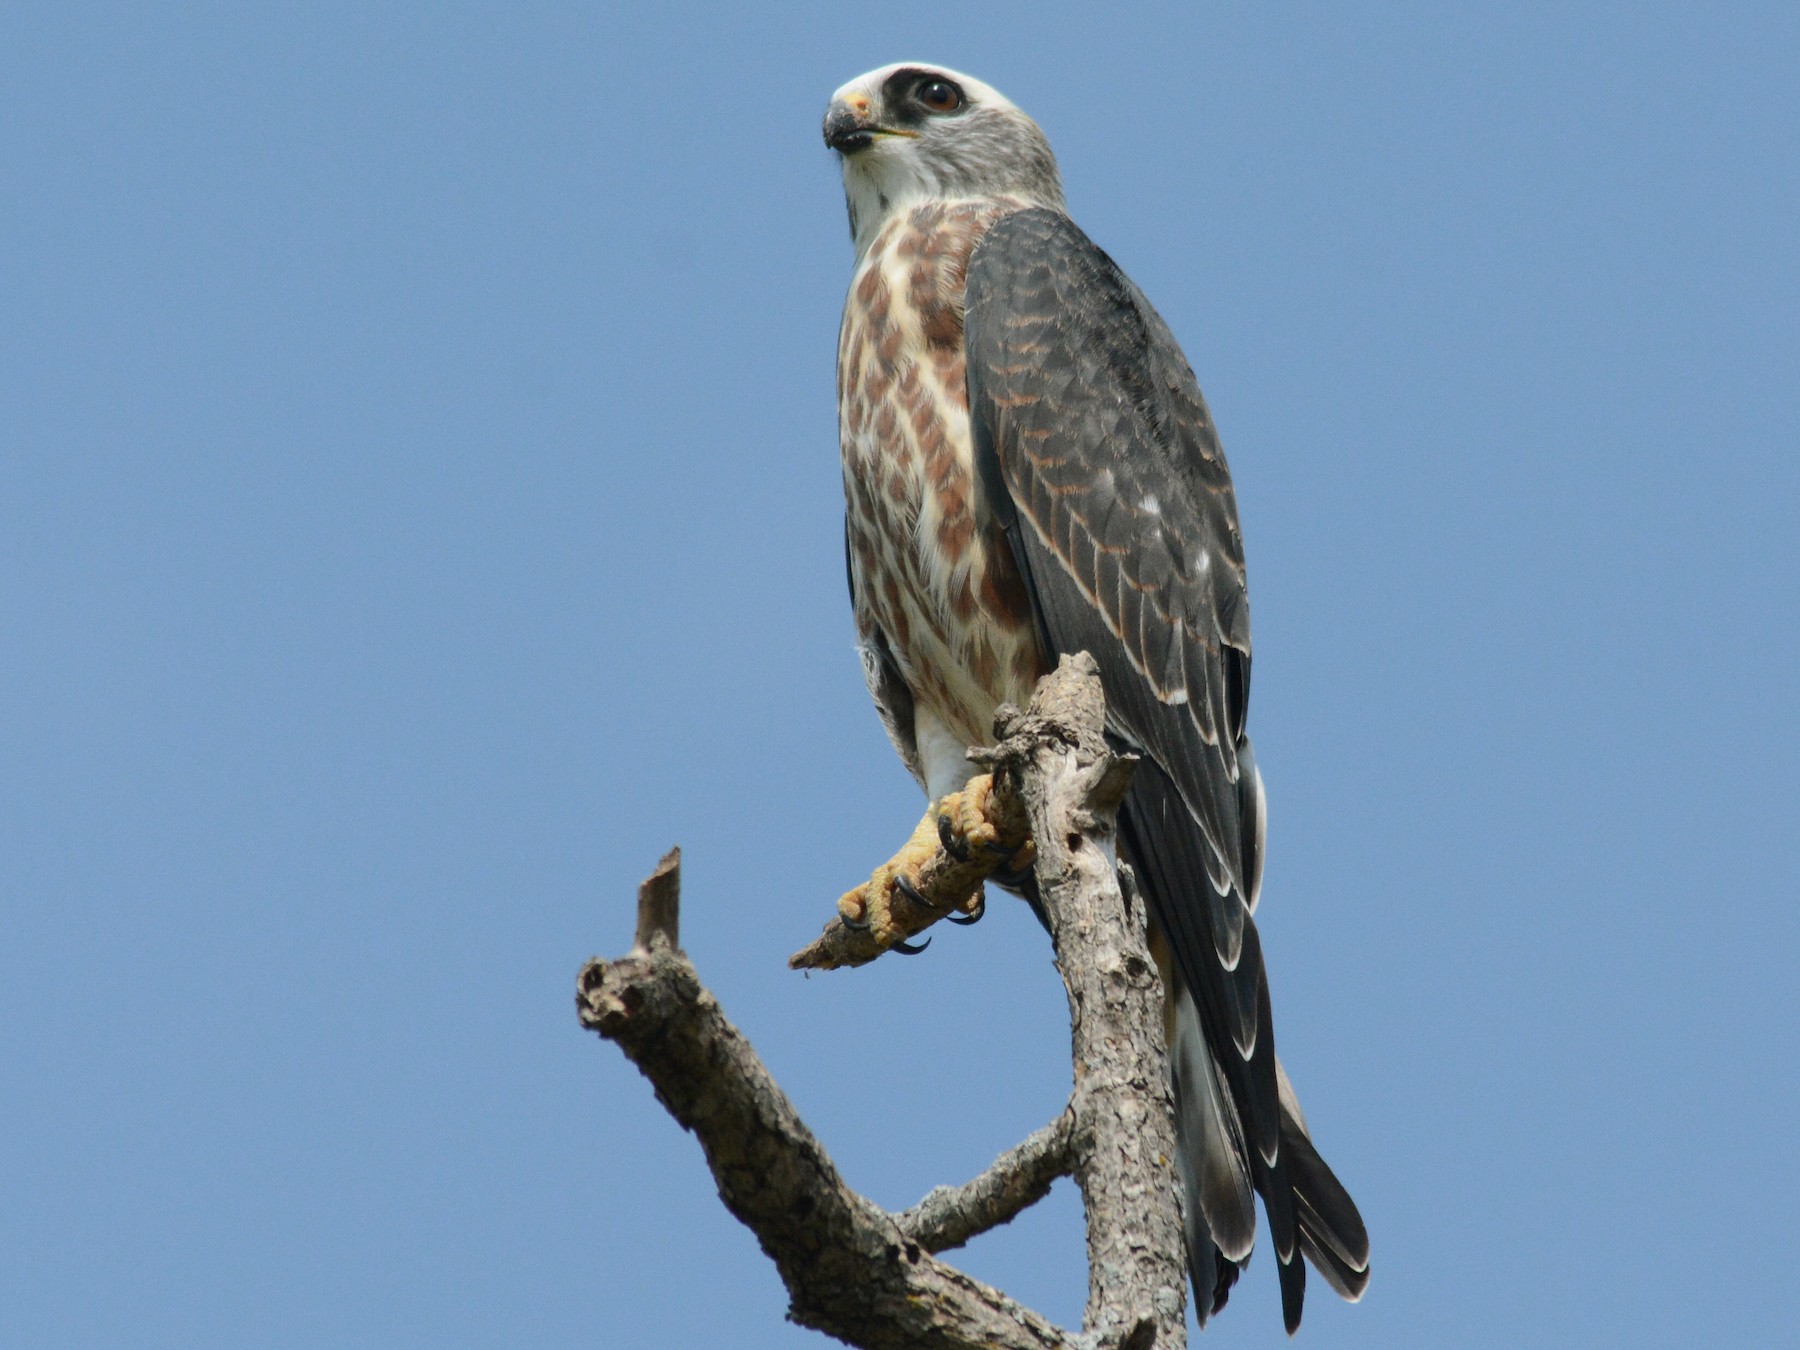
911,892
956,848
860,925
973,916
909,949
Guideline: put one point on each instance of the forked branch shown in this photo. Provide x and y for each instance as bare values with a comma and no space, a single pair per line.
869,1277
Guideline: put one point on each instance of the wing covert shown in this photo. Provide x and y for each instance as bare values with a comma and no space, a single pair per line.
1095,449
1098,453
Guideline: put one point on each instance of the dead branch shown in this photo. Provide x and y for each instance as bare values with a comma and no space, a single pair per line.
869,1277
849,1268
950,1215
1071,785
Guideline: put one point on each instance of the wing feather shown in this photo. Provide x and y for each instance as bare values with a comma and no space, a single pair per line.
1095,450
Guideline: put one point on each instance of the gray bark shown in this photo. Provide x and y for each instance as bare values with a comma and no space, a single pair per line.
868,1277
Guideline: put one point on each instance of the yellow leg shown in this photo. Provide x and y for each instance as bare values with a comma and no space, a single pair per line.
964,818
970,818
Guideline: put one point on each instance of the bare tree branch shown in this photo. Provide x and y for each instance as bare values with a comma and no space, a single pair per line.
849,1268
1071,786
868,1277
1020,1177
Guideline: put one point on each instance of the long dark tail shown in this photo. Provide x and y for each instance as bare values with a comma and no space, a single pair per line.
1221,1220
1238,1124
1331,1230
1219,1209
1310,1212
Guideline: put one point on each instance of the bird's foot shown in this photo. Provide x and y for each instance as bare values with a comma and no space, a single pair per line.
963,824
966,827
892,904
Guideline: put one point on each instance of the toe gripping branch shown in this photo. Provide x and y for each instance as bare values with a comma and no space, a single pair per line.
962,840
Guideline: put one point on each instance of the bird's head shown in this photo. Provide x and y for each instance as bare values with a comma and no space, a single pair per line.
913,132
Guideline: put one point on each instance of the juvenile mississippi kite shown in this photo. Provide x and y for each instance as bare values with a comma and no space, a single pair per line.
1030,470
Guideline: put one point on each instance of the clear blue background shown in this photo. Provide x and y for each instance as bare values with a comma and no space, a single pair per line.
419,506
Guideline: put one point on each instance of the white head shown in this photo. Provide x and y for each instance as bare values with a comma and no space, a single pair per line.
913,132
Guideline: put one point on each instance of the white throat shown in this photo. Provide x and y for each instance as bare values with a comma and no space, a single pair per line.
879,184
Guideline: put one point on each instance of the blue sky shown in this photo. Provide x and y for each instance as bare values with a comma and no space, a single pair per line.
419,507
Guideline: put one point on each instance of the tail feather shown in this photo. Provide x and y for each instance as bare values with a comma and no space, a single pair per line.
1239,1128
1346,1279
1219,1212
1236,1117
1331,1229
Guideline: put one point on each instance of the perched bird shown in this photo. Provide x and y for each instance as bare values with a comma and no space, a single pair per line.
1030,470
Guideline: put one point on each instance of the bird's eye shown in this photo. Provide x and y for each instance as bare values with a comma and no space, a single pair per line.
939,96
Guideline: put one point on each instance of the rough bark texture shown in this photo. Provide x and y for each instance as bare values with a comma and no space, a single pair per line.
849,1268
869,1277
1020,1177
1071,785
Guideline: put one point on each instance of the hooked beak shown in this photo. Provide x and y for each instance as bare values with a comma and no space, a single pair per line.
848,129
850,125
